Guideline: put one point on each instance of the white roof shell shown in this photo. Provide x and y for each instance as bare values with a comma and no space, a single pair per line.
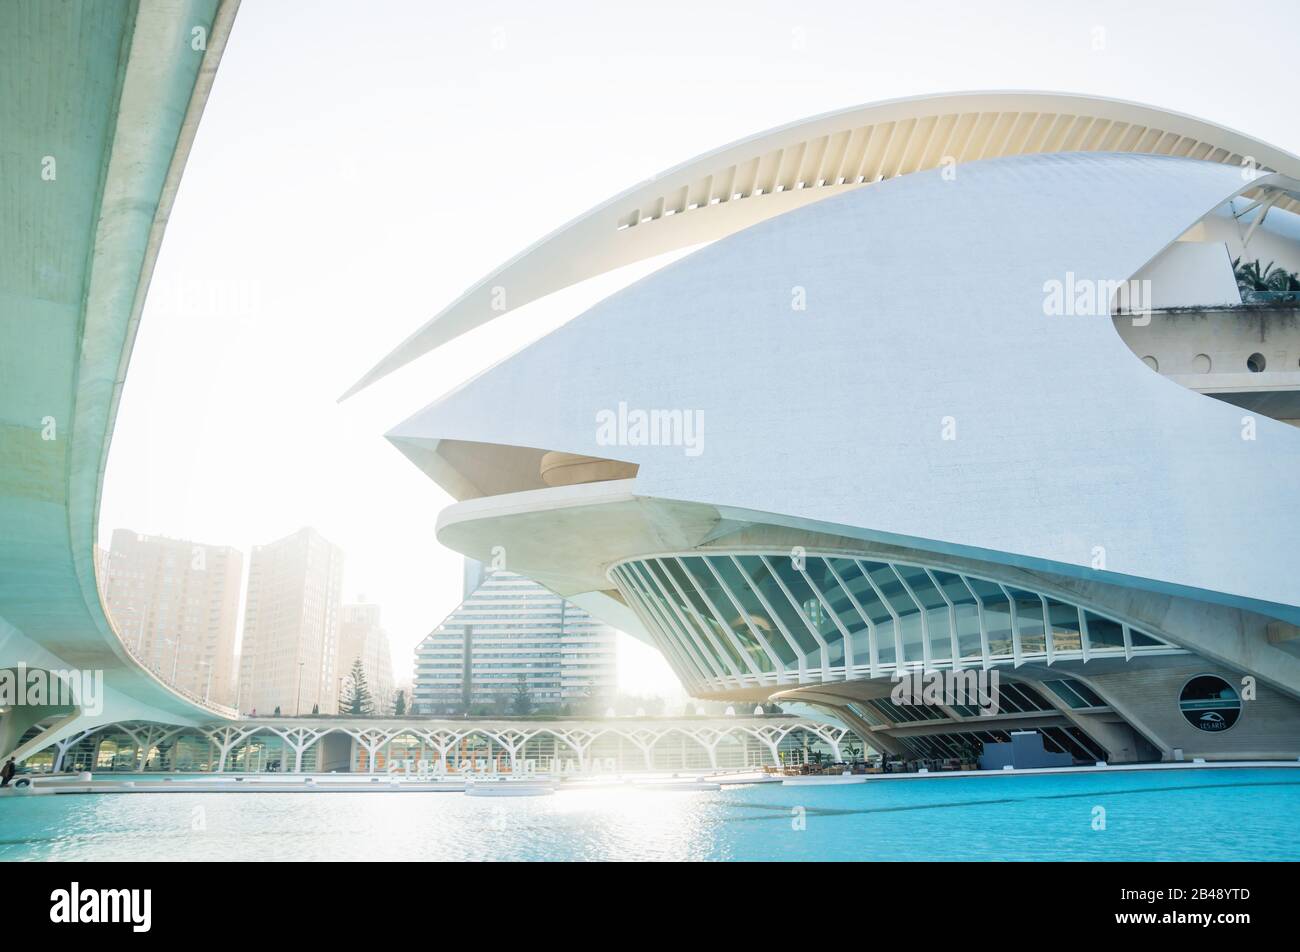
925,303
774,172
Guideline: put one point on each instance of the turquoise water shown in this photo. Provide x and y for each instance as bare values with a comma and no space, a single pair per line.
1222,814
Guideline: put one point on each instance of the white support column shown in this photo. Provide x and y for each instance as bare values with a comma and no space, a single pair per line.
771,737
67,744
513,741
831,735
147,736
371,738
299,739
644,740
579,747
442,741
709,738
227,738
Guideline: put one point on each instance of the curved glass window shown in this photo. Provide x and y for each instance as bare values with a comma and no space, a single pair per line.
812,608
819,570
677,618
787,614
1104,634
937,622
1138,640
908,623
721,607
997,616
1063,621
1029,619
871,604
760,618
1074,693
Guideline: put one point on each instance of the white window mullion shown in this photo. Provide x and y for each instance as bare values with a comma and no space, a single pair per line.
1047,630
925,622
776,620
874,656
898,628
688,670
722,622
984,628
844,632
749,623
651,583
703,625
952,619
794,602
1017,659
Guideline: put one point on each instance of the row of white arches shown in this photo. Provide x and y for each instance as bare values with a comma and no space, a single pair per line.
394,748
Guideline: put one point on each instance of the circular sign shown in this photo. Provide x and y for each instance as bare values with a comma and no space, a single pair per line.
1210,703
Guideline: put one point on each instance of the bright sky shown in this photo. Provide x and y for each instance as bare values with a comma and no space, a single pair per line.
360,165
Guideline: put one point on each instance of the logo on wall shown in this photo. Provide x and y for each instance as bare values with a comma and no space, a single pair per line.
1210,703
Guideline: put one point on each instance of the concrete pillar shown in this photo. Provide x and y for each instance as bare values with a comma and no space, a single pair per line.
15,722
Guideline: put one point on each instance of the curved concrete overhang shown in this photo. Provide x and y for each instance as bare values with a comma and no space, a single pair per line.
790,167
100,106
1066,442
569,539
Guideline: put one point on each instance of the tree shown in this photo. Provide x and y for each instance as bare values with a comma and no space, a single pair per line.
399,704
315,709
1264,283
522,702
277,711
357,699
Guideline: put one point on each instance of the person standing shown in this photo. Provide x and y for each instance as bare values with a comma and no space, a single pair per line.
7,772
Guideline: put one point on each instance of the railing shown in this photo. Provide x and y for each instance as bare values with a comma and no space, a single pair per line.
220,709
1270,297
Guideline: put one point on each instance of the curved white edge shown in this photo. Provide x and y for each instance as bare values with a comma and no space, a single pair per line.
152,57
822,148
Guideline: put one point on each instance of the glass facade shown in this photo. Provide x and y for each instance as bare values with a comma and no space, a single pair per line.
728,620
1075,693
509,636
961,745
418,749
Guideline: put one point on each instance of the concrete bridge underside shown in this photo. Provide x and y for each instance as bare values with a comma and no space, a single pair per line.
99,103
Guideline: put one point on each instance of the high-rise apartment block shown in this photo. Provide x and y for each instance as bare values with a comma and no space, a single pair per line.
289,657
510,638
361,637
175,604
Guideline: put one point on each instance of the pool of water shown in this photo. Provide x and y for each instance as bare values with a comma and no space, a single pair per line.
1220,814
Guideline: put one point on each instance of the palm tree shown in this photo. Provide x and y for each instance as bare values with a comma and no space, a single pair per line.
1269,283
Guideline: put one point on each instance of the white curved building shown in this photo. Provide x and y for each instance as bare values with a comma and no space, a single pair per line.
888,421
